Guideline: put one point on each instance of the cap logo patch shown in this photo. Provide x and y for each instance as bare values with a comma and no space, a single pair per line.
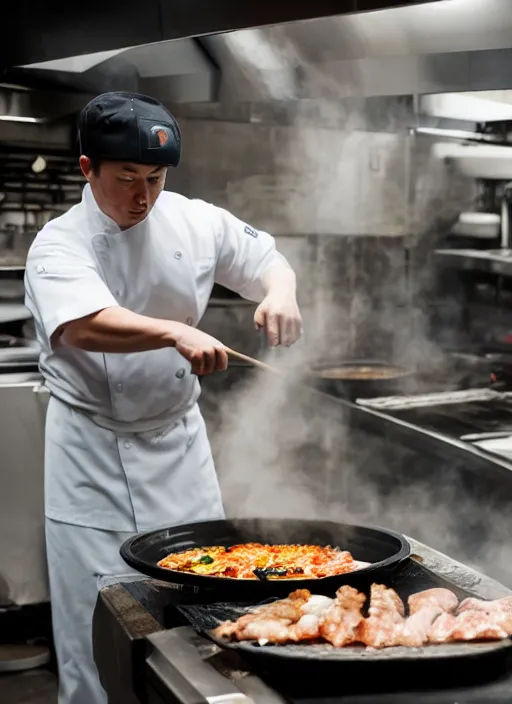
162,137
158,136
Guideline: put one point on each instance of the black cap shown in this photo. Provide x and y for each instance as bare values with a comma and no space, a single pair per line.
129,127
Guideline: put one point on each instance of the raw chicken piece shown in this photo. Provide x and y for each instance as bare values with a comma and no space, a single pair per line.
285,608
442,628
227,629
489,607
441,598
415,629
468,626
424,609
306,628
477,625
268,622
340,622
316,604
308,625
385,618
266,630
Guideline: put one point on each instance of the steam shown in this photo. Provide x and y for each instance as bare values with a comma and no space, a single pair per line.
282,450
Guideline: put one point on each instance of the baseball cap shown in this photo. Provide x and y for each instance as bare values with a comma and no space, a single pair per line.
129,127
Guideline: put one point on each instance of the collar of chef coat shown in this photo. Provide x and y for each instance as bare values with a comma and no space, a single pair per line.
102,223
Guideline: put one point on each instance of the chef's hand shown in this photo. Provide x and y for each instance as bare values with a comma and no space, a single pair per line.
204,352
278,314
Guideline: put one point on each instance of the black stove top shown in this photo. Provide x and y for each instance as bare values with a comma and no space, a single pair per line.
459,419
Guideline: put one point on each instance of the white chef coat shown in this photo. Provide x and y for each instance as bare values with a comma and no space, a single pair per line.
126,447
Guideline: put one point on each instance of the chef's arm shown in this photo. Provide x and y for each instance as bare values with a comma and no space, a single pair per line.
65,290
248,263
117,329
279,277
278,313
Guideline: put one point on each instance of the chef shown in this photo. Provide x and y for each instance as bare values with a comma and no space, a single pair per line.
116,287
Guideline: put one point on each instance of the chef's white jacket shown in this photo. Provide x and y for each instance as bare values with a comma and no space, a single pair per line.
126,447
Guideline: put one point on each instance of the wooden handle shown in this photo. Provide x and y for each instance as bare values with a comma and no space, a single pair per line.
251,360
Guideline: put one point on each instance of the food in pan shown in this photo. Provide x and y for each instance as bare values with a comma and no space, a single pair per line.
257,561
361,373
470,604
432,616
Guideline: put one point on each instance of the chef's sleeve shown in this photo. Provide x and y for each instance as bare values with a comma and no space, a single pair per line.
243,256
62,284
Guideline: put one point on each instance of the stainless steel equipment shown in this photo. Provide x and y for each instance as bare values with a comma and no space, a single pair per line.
505,217
23,574
489,261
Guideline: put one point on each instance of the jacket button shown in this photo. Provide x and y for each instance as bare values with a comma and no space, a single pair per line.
180,373
177,255
128,445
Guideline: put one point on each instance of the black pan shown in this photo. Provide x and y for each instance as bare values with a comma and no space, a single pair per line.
329,377
383,548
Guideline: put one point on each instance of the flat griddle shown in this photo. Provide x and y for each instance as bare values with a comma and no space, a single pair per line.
383,548
424,667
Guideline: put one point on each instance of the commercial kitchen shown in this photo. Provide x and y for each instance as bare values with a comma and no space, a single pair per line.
373,140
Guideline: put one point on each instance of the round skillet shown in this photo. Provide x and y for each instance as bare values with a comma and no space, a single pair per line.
360,378
383,548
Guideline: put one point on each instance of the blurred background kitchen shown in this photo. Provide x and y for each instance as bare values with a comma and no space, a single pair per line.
376,145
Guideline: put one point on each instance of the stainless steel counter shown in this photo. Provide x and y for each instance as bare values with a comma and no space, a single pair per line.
496,261
23,575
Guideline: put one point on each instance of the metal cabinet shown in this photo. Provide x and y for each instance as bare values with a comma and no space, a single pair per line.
23,572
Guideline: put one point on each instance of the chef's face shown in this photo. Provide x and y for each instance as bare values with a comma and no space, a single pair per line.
124,191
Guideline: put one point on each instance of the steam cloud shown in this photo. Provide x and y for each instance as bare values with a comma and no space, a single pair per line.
278,451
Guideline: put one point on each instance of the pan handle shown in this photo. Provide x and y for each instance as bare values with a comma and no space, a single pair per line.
177,672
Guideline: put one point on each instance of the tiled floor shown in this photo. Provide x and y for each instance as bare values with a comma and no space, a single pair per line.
32,687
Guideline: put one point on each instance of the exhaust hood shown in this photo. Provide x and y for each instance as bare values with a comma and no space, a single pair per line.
55,30
258,52
17,104
448,46
179,51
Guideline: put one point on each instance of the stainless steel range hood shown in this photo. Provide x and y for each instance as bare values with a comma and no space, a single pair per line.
427,48
54,30
457,45
185,69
